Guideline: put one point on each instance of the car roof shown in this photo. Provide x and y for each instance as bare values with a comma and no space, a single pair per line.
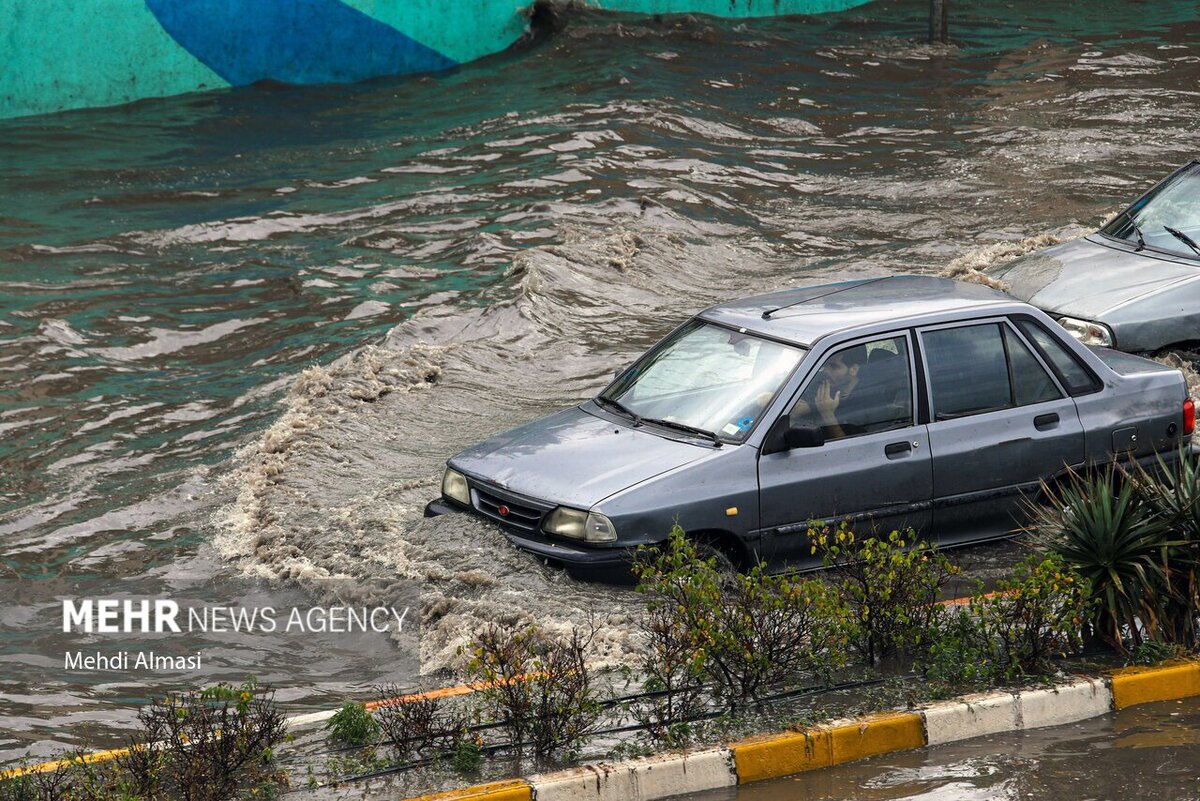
806,314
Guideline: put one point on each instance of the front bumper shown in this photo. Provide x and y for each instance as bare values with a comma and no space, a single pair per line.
594,564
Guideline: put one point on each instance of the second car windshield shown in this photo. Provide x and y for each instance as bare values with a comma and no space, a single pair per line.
707,377
1167,219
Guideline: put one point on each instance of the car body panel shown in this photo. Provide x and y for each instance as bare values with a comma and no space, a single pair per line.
1088,277
717,493
1137,413
877,490
982,463
575,457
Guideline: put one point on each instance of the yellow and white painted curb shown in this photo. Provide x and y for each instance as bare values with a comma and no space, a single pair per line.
777,755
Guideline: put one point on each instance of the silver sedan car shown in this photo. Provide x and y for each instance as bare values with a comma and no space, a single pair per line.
1134,285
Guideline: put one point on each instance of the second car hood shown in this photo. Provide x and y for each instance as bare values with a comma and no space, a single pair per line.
1083,278
574,458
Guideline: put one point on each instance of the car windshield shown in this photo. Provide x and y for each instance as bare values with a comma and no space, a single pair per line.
1167,219
705,377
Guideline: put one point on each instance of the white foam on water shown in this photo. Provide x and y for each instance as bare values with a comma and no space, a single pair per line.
337,485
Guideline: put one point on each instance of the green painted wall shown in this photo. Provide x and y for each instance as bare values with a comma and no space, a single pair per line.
63,54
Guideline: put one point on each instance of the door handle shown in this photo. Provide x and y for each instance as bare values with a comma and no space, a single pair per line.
896,450
1044,422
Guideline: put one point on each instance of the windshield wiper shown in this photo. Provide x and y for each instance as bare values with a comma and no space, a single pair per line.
684,427
1184,238
1136,230
620,407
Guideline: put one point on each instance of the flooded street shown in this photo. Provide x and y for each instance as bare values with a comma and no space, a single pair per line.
242,331
1150,751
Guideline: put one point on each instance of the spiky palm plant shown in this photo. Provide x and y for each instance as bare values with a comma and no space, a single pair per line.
1109,534
1172,491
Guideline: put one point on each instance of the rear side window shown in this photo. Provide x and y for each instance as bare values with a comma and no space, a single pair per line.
1075,377
1031,382
983,368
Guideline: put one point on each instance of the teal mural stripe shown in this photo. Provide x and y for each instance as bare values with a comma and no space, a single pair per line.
62,54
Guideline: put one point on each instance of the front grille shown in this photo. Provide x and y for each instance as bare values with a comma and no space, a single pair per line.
520,515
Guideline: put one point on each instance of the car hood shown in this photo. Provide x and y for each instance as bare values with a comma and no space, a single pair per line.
574,458
1083,278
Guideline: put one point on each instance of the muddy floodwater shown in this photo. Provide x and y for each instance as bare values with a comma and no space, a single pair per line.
240,332
1150,751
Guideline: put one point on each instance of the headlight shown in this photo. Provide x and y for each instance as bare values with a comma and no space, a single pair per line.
1088,333
454,487
580,525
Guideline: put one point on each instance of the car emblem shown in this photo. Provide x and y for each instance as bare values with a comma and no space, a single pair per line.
503,510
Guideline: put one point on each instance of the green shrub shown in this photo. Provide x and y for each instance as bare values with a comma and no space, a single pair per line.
1032,618
1010,634
1151,653
353,725
671,662
78,778
957,655
425,724
215,744
537,686
891,586
772,632
732,637
467,756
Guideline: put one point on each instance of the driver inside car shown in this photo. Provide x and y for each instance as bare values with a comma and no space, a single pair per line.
832,401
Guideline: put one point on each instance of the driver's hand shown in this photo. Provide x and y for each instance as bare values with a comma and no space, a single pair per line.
827,403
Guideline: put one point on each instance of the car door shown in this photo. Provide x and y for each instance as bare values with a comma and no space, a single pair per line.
874,465
1000,422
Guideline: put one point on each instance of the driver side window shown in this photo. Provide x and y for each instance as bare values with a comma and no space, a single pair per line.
861,389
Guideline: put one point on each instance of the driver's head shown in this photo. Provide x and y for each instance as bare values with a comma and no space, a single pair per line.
841,370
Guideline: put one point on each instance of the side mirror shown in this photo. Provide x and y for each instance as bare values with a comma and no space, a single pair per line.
783,436
804,437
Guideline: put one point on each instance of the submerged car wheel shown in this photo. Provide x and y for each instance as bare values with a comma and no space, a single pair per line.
725,563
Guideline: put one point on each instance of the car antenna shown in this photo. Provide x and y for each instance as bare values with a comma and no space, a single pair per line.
767,314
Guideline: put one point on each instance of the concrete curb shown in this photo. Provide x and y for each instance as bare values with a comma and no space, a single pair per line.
776,755
1138,685
657,776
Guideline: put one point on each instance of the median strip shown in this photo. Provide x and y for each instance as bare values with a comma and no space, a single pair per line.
775,756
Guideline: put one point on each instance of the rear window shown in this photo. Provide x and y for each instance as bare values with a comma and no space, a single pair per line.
1074,375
